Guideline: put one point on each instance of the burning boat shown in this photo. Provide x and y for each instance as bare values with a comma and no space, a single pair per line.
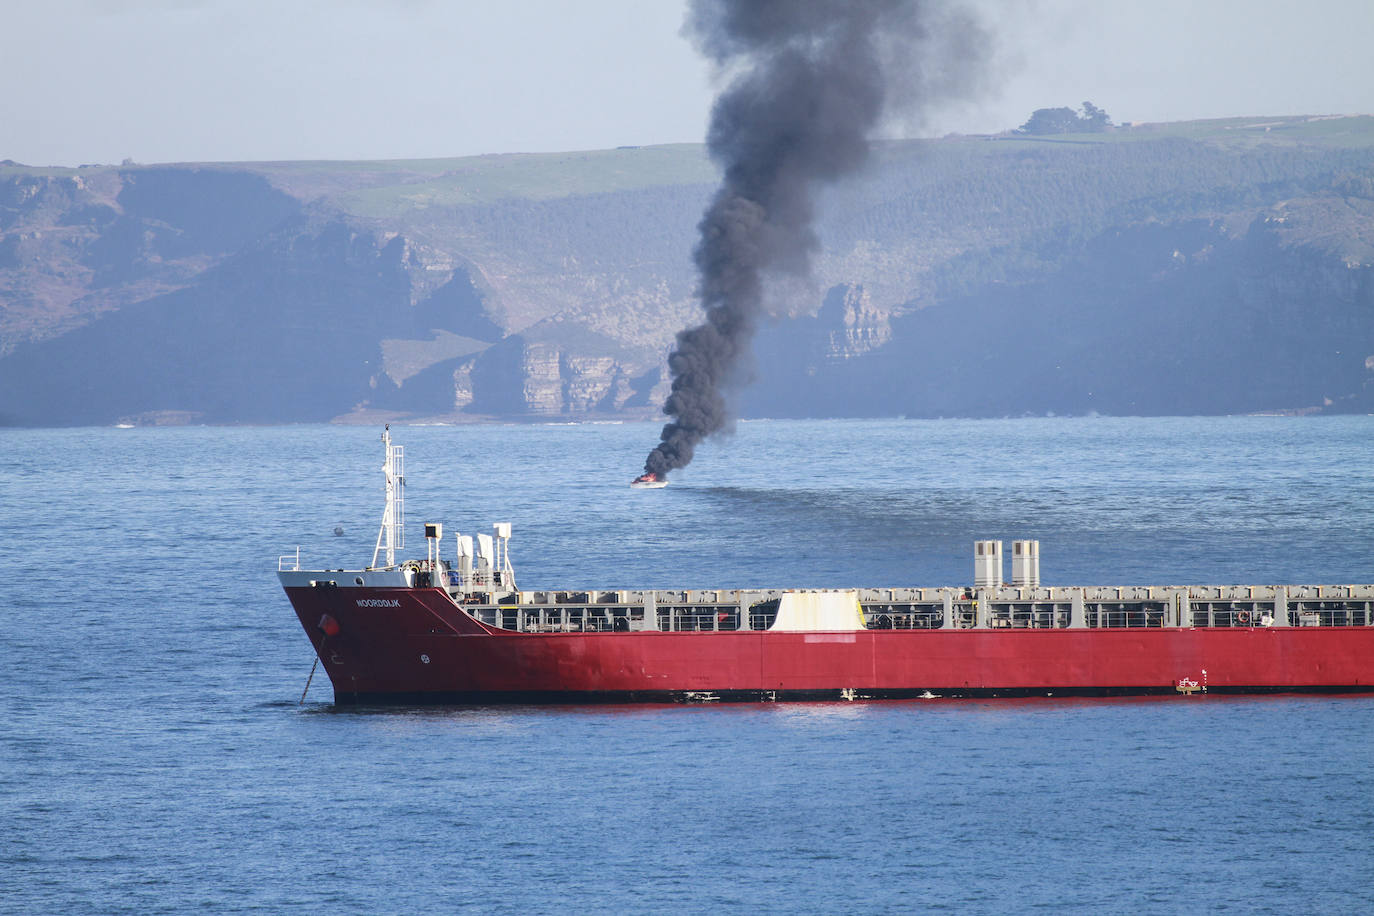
457,629
649,481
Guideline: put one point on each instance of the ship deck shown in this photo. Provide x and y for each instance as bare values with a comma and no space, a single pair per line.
717,610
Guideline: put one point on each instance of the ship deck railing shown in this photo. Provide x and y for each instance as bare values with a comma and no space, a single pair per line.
715,611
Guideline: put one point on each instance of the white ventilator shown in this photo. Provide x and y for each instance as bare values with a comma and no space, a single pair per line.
505,575
1025,564
486,554
987,564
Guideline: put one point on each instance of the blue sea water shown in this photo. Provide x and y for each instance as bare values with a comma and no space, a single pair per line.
154,758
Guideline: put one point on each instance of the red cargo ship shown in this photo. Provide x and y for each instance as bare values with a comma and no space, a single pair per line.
439,630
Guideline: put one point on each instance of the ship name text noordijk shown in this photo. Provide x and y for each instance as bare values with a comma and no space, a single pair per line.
378,602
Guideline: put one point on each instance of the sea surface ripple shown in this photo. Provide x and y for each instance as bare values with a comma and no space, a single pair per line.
154,757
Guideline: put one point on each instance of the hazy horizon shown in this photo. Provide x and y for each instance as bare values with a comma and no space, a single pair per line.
214,80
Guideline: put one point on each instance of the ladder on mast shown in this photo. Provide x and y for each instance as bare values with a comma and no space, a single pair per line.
392,534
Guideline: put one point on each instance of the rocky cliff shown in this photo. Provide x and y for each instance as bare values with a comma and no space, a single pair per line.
1207,267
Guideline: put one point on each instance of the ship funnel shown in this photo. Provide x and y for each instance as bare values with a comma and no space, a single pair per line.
987,564
1025,563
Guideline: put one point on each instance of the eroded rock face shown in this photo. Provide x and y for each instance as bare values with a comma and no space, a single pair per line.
428,267
542,380
552,380
587,382
462,386
1155,320
859,326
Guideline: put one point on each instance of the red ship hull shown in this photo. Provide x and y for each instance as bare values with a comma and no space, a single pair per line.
414,645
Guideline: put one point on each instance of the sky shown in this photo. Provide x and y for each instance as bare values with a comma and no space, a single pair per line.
99,81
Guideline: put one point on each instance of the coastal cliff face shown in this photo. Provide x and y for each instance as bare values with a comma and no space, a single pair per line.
1162,320
857,326
1199,268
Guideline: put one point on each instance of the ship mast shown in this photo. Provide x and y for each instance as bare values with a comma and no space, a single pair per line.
392,533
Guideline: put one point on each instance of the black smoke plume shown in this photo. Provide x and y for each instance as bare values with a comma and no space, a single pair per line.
812,80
